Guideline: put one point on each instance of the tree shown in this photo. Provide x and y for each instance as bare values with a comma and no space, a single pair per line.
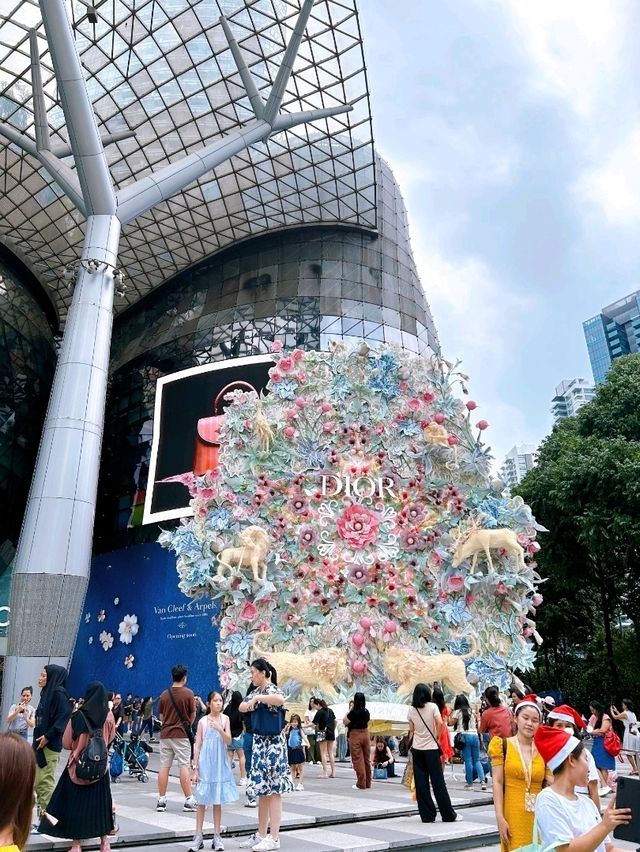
586,490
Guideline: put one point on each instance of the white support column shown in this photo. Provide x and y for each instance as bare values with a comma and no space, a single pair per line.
51,571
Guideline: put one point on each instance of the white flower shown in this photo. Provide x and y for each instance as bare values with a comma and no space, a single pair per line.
128,628
91,640
106,640
87,617
102,615
116,601
128,661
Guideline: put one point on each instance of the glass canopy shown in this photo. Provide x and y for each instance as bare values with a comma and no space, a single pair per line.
163,69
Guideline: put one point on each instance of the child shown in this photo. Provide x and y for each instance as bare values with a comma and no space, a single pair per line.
296,743
212,773
17,776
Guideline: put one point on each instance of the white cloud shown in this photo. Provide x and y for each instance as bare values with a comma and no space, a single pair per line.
615,186
574,44
482,322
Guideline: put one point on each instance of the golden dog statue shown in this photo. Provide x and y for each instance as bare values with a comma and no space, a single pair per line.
318,671
406,668
251,553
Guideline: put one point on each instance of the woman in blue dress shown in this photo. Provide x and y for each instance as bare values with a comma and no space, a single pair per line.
599,726
269,776
212,773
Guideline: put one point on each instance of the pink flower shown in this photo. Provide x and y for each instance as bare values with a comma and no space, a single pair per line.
428,396
276,346
225,679
297,355
275,375
292,413
358,575
249,611
329,426
358,525
501,588
290,432
326,407
439,418
300,402
537,599
456,582
471,405
404,386
482,424
357,639
285,364
301,376
358,667
413,404
263,627
453,440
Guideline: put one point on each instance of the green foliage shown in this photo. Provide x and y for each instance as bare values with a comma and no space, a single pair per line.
586,491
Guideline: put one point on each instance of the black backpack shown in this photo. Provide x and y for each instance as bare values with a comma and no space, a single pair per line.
91,763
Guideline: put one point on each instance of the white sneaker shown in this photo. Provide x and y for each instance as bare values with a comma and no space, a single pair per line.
250,842
243,782
299,788
197,844
217,843
190,804
266,845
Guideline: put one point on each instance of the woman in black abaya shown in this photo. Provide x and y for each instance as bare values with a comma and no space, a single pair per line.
83,809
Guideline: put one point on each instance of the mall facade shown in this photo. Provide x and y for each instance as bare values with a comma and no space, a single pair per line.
301,239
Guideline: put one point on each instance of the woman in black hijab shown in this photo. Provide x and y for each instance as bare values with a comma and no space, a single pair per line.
52,715
84,809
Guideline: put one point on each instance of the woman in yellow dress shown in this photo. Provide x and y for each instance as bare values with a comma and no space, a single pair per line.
518,776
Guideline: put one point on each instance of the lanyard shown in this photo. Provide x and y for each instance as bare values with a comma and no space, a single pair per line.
527,769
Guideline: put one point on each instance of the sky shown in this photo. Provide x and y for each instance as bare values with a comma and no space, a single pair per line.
513,129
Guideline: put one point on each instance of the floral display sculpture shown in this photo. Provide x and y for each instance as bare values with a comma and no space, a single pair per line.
373,475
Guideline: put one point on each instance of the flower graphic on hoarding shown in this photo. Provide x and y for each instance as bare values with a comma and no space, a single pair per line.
106,640
128,628
102,615
358,526
129,660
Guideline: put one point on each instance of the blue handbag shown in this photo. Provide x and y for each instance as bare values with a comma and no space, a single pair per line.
267,720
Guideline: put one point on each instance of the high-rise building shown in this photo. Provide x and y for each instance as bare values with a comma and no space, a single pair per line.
615,331
518,461
571,395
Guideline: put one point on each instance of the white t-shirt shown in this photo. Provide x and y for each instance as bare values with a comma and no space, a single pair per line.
561,820
593,774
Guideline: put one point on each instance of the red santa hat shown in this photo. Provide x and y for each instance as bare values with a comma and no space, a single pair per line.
529,700
567,714
555,745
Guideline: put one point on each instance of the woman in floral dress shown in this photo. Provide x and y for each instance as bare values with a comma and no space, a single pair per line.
269,776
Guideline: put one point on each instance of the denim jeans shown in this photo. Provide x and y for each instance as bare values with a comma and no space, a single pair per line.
471,757
342,747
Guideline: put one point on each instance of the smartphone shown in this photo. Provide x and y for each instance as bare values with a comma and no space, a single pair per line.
628,796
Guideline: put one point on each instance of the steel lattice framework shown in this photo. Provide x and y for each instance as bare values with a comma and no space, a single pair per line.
163,70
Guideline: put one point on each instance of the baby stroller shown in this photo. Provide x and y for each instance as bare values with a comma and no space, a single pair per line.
132,755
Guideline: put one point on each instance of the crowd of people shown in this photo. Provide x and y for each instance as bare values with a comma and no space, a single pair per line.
543,778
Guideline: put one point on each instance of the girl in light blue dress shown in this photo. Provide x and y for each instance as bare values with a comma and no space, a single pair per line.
212,773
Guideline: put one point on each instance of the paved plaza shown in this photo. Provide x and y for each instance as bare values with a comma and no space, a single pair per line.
329,816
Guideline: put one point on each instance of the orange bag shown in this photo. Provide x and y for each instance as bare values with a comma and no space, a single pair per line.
207,452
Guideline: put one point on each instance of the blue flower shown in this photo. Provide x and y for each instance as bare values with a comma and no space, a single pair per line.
238,645
286,389
185,543
340,387
456,611
311,453
218,518
408,428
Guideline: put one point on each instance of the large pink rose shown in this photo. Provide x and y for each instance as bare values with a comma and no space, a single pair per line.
358,526
249,611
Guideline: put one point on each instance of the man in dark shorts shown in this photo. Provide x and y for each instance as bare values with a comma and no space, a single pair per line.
177,710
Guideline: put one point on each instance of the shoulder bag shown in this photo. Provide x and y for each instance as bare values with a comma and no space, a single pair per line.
184,722
267,720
